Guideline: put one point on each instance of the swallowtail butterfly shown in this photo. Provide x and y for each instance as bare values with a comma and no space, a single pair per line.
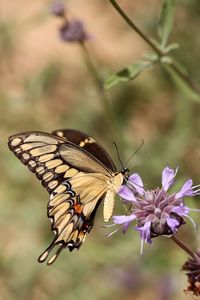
78,173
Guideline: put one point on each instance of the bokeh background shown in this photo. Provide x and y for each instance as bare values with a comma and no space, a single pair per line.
45,85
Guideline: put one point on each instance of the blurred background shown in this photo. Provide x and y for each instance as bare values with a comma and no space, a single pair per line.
45,85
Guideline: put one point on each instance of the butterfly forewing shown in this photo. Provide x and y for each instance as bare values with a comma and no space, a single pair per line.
89,144
76,180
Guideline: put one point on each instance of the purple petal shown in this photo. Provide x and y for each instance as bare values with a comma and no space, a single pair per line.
172,223
125,193
124,220
168,176
186,190
136,181
181,210
145,234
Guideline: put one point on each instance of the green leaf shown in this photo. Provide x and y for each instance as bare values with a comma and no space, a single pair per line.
166,59
172,47
127,74
166,21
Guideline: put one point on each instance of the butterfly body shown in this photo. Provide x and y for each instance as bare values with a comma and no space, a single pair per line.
78,174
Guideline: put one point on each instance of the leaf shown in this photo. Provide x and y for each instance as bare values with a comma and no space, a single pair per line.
127,74
166,20
172,47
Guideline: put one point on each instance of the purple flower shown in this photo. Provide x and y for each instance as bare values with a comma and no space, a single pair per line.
186,190
137,183
172,223
192,267
126,193
145,234
124,220
58,9
73,31
156,212
131,188
168,176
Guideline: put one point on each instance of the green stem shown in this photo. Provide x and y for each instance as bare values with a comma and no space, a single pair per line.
98,82
185,78
183,246
156,48
134,27
111,118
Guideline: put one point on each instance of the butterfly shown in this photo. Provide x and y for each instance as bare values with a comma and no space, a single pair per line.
78,174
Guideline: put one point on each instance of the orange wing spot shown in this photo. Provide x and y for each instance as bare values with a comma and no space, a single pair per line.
78,208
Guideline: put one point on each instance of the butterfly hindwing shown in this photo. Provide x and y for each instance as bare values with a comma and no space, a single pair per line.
74,178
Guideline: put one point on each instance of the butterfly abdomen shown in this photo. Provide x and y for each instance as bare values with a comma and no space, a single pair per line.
109,197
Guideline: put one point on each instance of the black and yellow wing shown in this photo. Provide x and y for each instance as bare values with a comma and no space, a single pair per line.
89,144
76,180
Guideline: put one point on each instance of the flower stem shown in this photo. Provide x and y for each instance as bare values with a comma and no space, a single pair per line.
110,116
134,27
185,78
156,48
183,246
98,82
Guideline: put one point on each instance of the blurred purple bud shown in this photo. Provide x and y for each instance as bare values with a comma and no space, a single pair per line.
58,9
73,31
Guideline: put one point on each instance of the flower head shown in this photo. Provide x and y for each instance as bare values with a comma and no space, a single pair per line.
73,31
58,9
156,212
192,267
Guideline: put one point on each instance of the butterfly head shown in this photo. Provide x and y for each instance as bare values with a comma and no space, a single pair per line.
125,173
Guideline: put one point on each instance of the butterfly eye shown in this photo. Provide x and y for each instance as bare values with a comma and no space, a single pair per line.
125,171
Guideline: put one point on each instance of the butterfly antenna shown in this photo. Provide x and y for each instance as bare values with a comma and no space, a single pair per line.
138,148
118,154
